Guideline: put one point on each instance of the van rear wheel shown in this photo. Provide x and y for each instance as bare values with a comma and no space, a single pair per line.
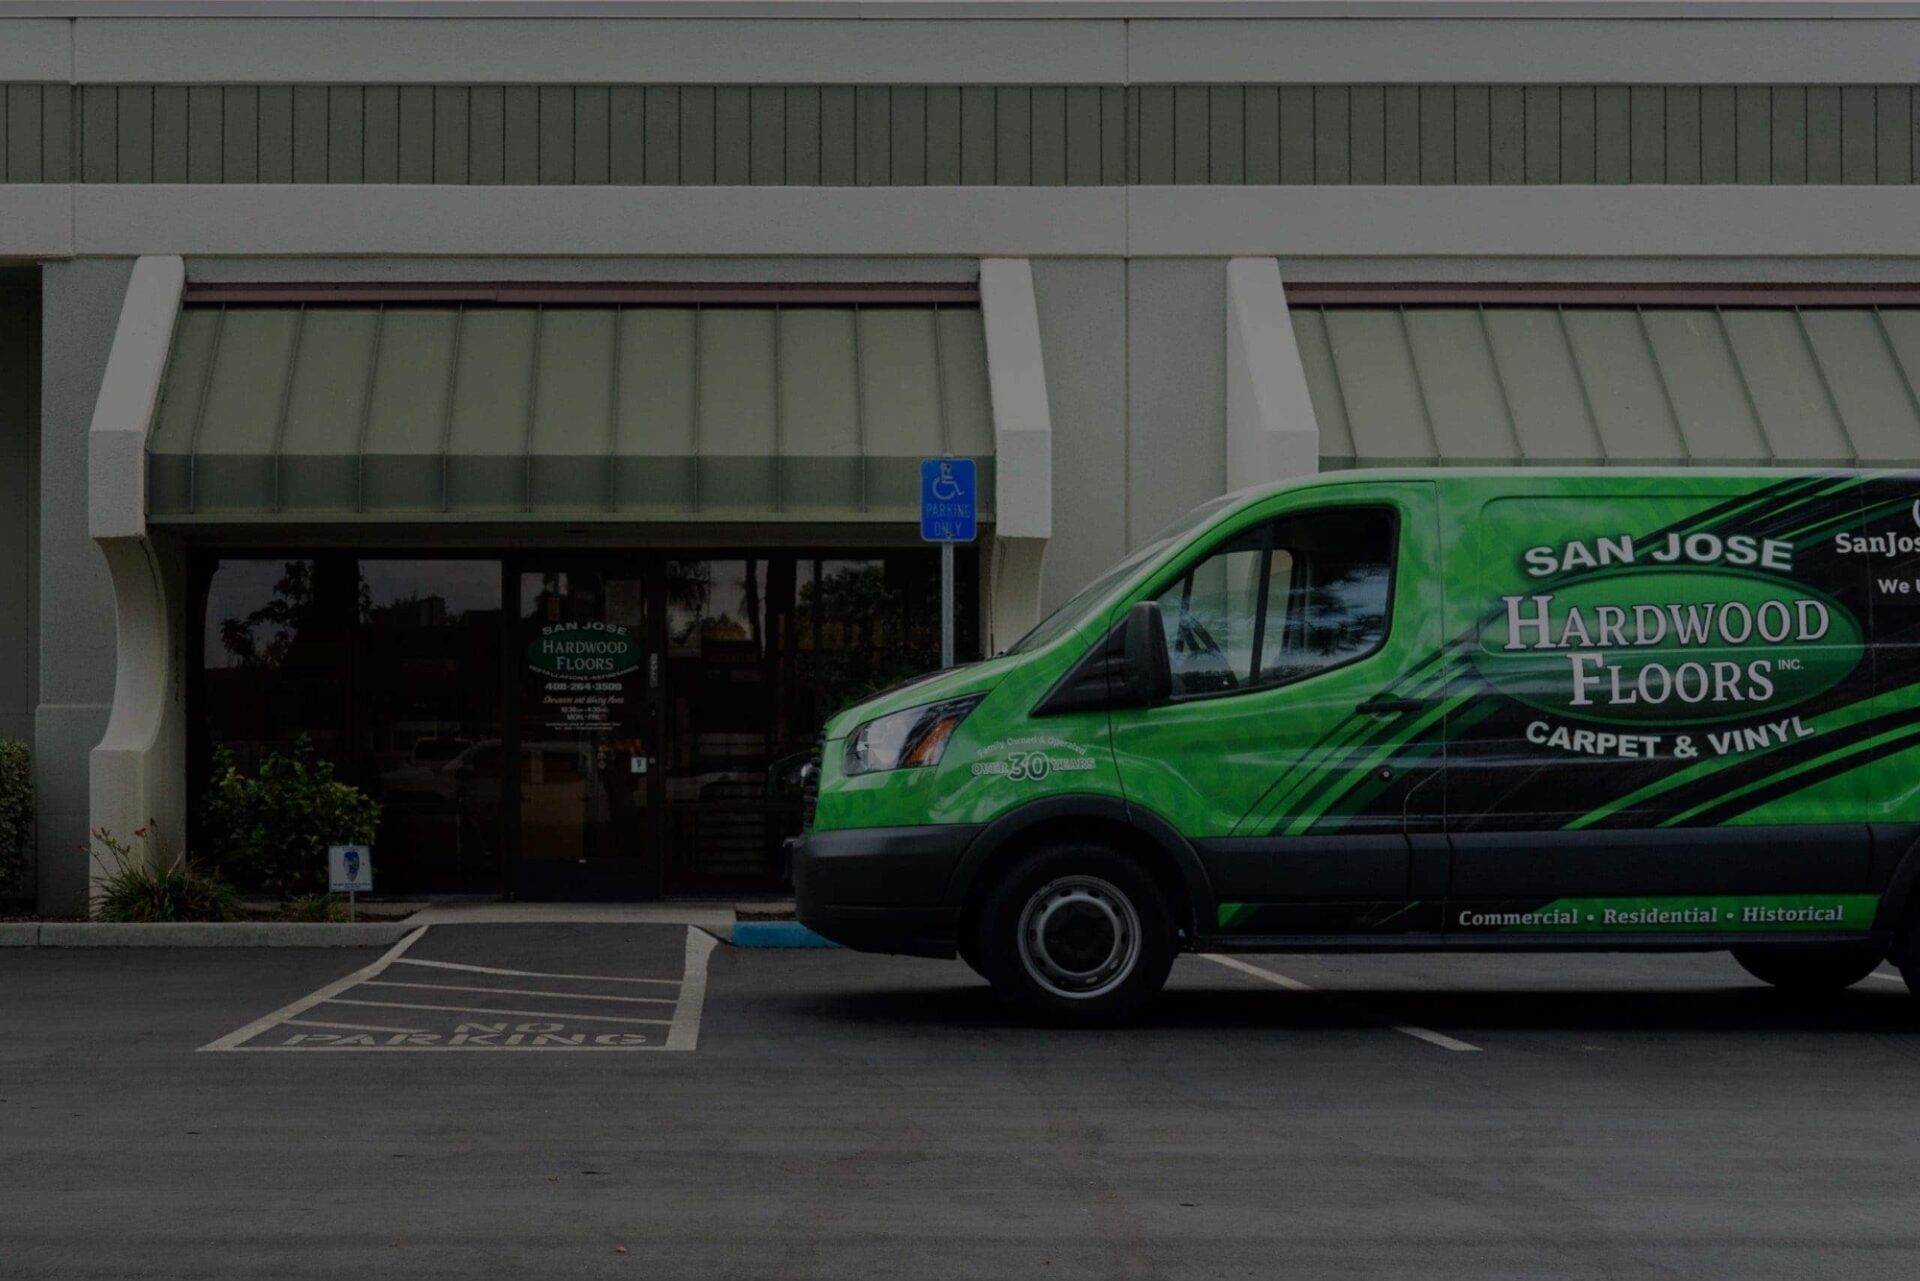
1077,933
1828,967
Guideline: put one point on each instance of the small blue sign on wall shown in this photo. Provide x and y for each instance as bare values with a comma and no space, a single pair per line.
948,512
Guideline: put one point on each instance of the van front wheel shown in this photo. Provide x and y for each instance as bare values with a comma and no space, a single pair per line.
1819,968
1078,933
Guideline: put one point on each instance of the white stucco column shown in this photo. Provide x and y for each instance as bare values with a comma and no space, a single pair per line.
137,774
1023,448
1271,431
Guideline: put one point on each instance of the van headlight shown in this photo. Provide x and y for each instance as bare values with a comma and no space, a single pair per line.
906,740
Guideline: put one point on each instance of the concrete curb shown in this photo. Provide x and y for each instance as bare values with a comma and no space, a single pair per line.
205,934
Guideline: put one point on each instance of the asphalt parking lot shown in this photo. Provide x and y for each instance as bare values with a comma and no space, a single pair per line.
835,1115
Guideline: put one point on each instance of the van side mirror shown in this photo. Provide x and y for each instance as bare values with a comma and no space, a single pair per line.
1146,674
1128,668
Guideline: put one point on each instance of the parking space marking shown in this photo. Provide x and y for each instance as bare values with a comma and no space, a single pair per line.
522,991
542,1030
531,974
1884,977
234,1040
349,1027
492,1009
1295,985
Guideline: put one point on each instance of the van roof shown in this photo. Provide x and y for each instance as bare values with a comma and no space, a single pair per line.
1374,475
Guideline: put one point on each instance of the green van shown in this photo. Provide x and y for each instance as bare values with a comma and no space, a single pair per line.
1417,710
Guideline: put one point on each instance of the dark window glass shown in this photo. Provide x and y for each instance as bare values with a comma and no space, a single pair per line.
720,723
586,731
1337,571
426,714
274,656
1281,602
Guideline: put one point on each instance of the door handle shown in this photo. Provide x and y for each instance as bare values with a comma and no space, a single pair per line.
1380,706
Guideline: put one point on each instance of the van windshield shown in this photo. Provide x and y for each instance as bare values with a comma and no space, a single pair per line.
1073,613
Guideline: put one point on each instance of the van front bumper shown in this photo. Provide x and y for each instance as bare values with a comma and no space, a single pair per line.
882,889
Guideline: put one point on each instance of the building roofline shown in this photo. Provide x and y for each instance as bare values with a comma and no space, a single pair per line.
970,9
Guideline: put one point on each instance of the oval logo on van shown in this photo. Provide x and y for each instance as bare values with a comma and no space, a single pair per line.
1669,646
586,651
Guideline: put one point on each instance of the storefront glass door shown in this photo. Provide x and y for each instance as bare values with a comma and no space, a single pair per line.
584,747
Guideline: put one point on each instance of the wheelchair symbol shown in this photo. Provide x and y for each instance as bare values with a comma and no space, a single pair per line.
945,488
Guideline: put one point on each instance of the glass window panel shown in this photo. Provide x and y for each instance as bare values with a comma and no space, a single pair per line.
427,719
1333,575
1211,616
586,741
720,705
274,656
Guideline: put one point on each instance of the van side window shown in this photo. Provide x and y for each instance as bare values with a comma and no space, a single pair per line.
1281,601
1337,595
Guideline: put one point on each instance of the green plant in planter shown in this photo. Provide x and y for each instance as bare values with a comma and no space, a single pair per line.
271,831
148,887
16,815
314,908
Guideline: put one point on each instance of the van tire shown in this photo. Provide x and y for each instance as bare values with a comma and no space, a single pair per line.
1076,915
1826,967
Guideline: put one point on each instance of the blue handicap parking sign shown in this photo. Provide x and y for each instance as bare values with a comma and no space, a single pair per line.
948,513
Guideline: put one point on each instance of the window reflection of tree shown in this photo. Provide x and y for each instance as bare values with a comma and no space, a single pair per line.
859,639
697,618
282,617
294,608
1345,616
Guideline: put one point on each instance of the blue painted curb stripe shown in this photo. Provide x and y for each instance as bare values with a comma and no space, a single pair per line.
776,934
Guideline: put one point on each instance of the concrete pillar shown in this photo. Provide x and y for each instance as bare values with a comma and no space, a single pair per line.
1023,448
138,770
1271,431
80,302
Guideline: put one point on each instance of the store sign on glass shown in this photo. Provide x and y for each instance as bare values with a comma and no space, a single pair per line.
583,666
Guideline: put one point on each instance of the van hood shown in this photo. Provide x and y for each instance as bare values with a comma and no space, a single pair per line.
930,687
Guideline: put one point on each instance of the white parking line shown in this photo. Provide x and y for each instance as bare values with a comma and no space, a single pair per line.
488,1009
1884,977
1295,985
521,991
233,1040
351,1027
535,974
685,1032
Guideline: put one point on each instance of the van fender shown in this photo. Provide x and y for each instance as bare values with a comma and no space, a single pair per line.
996,835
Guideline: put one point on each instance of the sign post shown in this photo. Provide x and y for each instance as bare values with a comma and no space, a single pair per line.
948,515
350,872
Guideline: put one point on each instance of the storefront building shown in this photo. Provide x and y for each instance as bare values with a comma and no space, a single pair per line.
523,403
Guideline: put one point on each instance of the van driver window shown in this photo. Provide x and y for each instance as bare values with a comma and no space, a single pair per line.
1281,602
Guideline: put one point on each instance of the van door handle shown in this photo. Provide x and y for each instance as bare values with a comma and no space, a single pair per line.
1378,706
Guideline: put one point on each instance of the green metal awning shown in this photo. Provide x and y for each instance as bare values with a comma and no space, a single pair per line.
1629,385
305,412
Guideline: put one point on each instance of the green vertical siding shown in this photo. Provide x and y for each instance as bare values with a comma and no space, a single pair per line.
945,135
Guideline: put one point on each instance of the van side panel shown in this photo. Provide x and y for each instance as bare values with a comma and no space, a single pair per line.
1889,544
1666,695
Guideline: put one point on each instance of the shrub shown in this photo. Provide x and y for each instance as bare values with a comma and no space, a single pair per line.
144,887
311,908
271,831
16,815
